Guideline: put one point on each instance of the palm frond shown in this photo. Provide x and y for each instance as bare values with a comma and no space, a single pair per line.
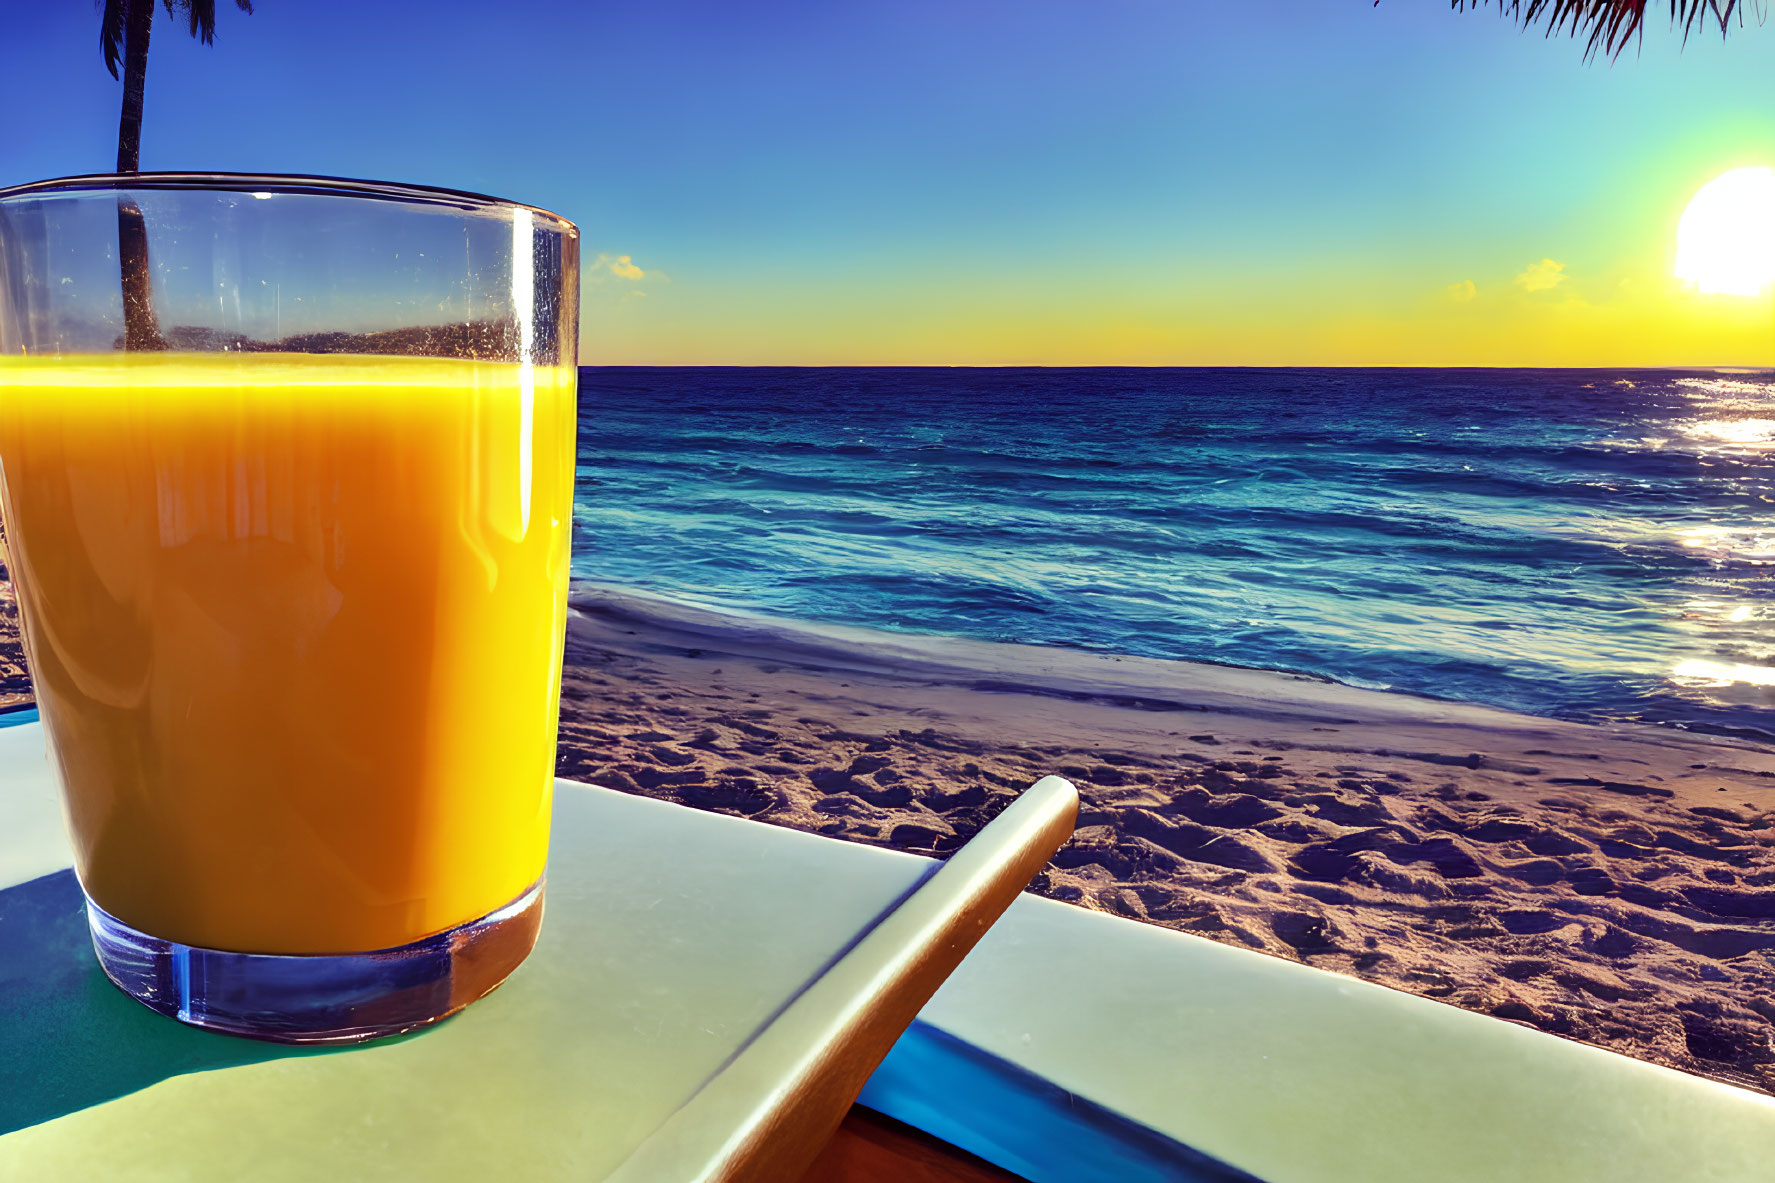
200,16
111,35
1610,24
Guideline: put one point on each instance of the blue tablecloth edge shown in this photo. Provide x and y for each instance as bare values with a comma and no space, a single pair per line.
15,715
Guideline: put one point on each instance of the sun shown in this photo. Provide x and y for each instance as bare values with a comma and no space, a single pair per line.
1725,241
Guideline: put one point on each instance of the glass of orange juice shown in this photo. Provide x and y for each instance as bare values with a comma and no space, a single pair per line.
286,466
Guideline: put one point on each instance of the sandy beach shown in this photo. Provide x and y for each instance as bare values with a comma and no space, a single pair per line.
15,678
1607,884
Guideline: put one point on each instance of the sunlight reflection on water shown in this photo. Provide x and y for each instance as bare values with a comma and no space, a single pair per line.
1700,673
1731,420
1756,432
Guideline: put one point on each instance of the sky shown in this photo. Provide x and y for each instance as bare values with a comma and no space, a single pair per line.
992,182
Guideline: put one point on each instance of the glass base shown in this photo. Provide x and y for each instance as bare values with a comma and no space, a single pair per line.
322,998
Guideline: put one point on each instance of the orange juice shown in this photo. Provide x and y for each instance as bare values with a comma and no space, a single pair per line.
295,624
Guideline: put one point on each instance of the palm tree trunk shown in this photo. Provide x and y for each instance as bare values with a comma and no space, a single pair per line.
140,328
138,25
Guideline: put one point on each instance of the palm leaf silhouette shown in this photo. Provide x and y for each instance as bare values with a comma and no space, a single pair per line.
1608,25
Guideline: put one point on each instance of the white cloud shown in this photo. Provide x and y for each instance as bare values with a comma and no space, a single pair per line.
1540,277
621,266
1463,291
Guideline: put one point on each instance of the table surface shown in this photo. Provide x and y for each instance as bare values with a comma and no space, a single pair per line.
1070,1046
682,979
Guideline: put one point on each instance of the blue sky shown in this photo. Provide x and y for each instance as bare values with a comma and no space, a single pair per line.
1032,181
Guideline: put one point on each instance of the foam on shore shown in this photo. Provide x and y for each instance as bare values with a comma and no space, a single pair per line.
1277,709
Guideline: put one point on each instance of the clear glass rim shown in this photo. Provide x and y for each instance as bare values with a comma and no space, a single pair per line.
291,183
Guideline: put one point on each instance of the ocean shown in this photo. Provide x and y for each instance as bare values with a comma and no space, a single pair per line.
1593,545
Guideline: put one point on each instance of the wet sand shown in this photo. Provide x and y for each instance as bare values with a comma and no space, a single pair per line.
1607,884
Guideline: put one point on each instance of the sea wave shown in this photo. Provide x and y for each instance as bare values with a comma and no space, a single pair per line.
1589,545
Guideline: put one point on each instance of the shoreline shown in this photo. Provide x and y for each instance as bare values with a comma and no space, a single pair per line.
1079,670
688,611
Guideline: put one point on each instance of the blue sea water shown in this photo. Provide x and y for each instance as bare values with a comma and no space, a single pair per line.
1592,545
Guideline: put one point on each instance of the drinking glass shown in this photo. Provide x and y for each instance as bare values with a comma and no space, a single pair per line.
286,469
